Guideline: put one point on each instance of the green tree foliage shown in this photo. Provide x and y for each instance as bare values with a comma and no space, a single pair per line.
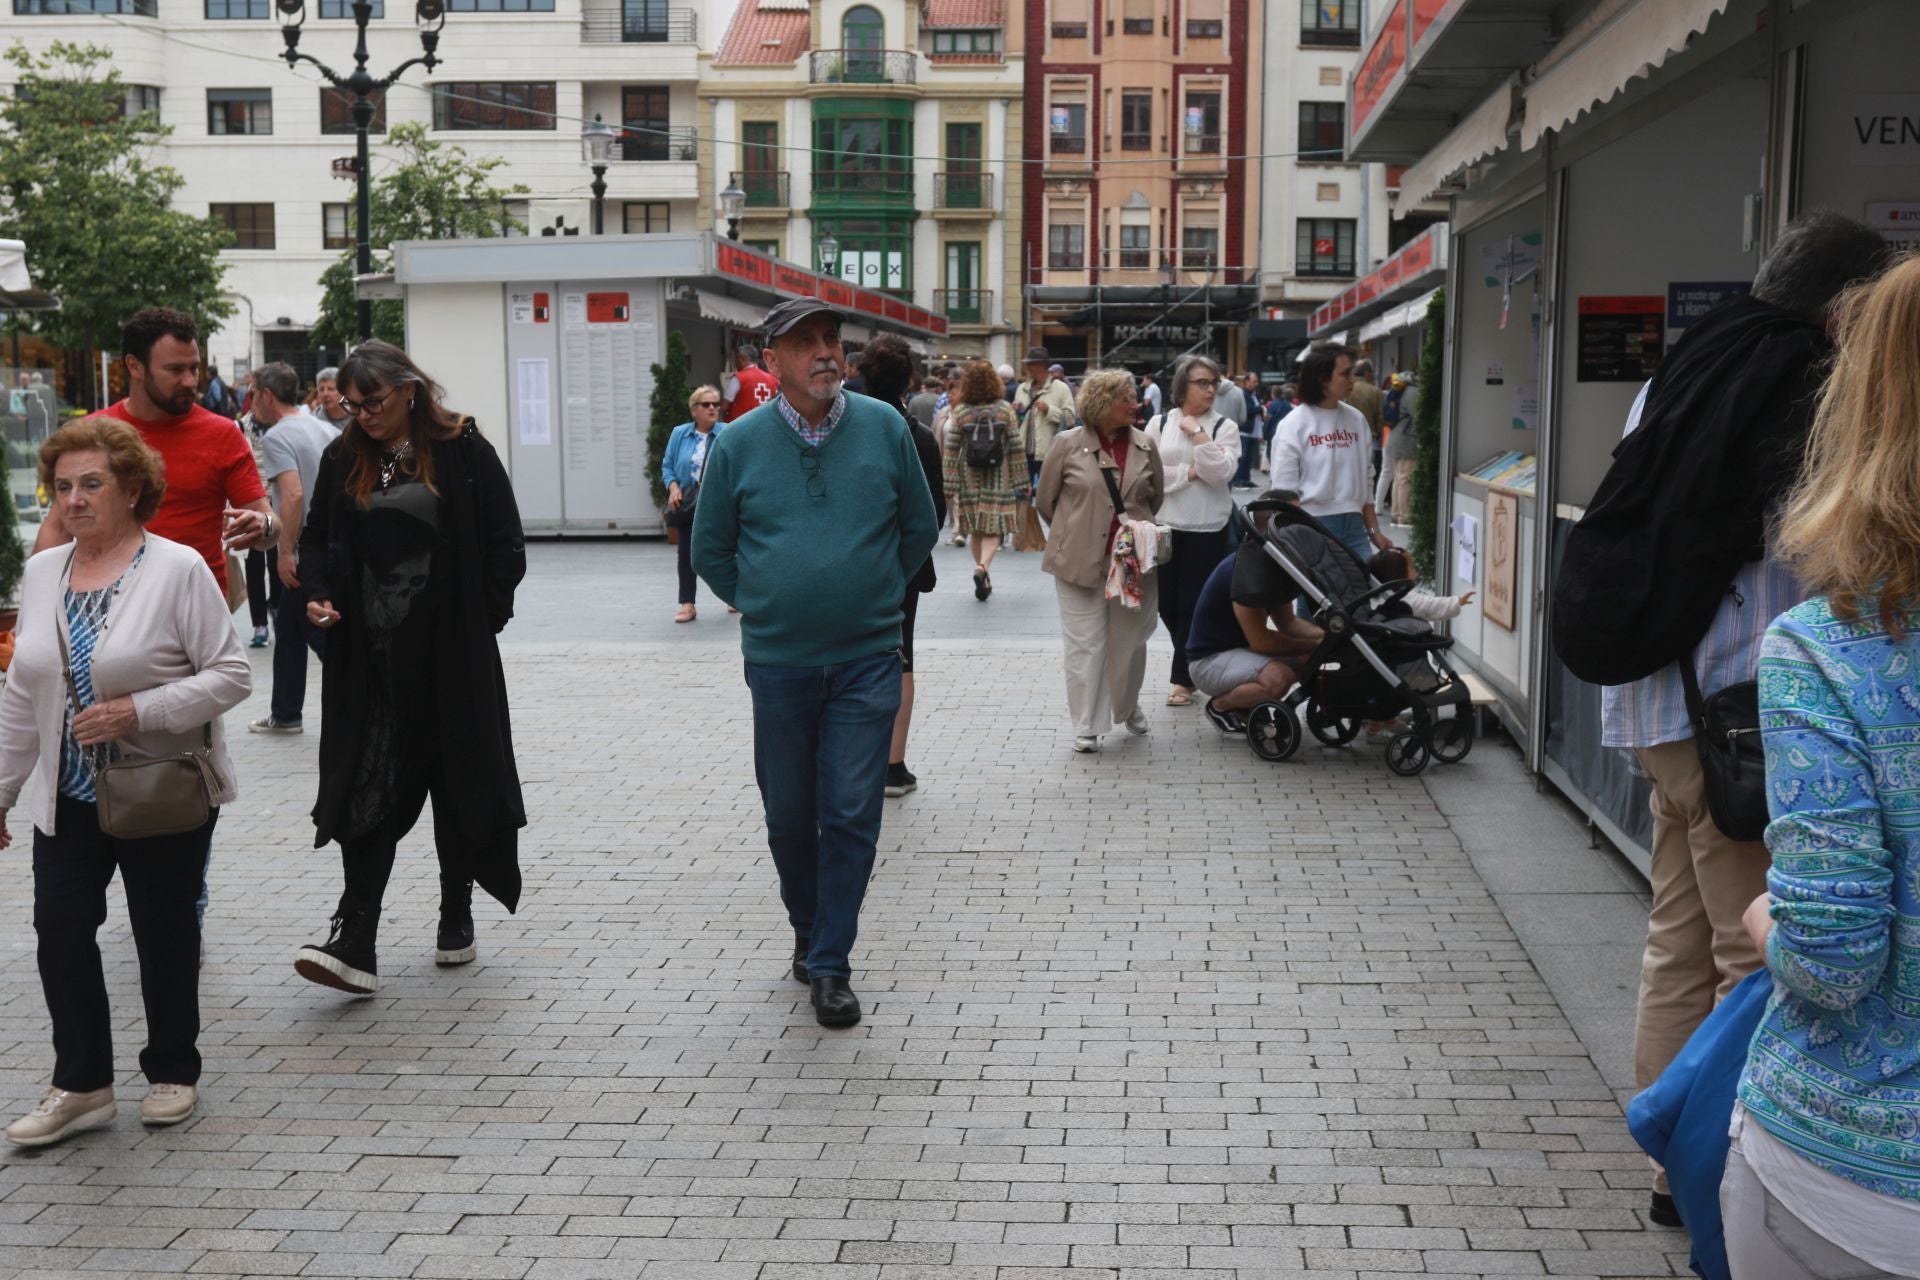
78,185
1426,437
671,389
433,190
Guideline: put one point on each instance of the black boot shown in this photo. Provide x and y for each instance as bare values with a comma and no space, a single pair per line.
345,961
834,1004
454,944
801,945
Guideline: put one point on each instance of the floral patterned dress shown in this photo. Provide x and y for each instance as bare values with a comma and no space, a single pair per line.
984,500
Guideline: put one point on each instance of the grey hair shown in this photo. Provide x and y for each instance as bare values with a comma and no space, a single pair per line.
748,350
1183,371
280,380
1817,257
329,374
1363,368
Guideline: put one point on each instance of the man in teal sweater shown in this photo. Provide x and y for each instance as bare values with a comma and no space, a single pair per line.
813,514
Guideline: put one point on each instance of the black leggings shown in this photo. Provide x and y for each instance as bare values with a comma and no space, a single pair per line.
368,859
1195,556
257,588
686,566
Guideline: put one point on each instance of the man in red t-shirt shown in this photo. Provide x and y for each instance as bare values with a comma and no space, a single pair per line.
750,386
214,499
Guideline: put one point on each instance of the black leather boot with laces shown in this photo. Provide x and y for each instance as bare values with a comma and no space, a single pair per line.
345,961
454,943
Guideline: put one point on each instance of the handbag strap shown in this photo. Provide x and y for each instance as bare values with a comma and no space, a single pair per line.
1696,704
1113,491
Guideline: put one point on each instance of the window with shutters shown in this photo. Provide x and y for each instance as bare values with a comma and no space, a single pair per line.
1324,246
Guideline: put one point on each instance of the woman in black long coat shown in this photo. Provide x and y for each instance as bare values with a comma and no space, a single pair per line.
409,558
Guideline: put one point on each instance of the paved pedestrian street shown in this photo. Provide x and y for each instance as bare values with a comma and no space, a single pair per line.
1165,1011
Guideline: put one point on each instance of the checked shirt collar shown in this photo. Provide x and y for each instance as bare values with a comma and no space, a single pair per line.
813,435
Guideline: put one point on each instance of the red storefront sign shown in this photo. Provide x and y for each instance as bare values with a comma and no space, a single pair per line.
792,280
743,264
1384,63
1417,258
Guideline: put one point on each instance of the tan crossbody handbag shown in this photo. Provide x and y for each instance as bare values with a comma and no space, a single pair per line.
152,795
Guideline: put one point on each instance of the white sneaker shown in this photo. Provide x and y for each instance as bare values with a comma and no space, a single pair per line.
1137,722
167,1104
1086,744
59,1113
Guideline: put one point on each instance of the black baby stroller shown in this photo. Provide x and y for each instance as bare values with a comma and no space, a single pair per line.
1375,662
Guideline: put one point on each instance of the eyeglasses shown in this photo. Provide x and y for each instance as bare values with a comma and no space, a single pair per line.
372,404
810,464
1205,384
707,404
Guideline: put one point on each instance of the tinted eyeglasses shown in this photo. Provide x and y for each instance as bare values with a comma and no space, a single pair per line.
1205,384
810,465
372,404
706,404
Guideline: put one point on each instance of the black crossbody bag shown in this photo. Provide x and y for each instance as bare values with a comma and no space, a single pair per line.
1733,761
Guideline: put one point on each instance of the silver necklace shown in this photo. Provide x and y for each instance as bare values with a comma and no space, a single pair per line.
390,460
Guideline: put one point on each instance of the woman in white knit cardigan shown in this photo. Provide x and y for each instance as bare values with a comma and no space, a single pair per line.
154,663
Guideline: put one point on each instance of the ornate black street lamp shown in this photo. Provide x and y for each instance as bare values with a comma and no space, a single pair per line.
430,16
596,144
733,200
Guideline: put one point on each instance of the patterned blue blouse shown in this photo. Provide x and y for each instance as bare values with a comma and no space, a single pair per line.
86,623
1834,1071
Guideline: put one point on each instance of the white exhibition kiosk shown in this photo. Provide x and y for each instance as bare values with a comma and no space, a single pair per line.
550,342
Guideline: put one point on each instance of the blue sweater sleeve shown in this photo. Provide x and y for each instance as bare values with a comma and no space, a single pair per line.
919,528
667,468
716,526
1832,875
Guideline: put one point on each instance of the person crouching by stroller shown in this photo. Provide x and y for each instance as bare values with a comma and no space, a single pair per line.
1235,657
1092,473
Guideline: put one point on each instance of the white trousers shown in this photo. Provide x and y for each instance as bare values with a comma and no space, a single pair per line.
1105,647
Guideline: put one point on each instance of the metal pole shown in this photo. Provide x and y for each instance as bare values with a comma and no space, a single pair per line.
362,86
599,199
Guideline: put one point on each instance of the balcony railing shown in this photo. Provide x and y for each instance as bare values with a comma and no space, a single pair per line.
1200,144
966,189
676,26
861,66
1069,144
1329,38
964,306
765,189
886,182
1066,261
1184,261
641,142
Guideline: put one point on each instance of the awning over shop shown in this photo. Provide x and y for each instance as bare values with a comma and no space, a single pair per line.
1419,267
1633,42
1431,64
718,307
1393,321
1480,135
740,280
16,287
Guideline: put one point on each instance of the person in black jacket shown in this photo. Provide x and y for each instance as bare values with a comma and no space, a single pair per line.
887,367
410,555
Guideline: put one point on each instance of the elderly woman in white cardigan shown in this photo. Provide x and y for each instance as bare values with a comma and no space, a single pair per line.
154,663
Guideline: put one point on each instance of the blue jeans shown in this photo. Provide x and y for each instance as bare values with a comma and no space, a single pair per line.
820,741
1249,446
293,635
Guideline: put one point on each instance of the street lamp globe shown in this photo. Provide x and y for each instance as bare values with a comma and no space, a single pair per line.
829,250
596,141
732,200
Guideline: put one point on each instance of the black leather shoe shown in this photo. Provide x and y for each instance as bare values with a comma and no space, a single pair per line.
1663,1211
834,1004
800,948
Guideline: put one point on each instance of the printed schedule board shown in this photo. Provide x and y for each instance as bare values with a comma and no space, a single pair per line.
581,353
1620,338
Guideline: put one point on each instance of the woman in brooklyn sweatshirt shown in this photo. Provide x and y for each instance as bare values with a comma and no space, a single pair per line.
1322,452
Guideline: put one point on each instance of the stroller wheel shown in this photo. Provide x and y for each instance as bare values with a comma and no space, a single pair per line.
1273,731
1407,753
1452,739
1335,731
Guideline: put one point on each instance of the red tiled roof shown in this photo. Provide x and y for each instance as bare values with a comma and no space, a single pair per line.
764,35
964,13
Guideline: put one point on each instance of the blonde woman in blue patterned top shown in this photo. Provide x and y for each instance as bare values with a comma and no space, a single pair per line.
1824,1178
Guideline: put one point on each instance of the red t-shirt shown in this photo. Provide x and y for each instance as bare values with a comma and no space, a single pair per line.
757,387
209,467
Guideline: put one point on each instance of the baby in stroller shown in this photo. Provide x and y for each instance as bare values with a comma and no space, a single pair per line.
1374,660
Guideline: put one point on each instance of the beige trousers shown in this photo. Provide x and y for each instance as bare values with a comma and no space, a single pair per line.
1403,490
1105,648
1698,948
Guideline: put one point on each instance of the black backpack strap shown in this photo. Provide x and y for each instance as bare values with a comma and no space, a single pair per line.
1113,489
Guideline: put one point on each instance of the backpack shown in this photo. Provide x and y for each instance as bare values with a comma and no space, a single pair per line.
983,437
219,398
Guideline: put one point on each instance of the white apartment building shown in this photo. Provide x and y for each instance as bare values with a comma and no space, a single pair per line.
1323,221
895,126
256,140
